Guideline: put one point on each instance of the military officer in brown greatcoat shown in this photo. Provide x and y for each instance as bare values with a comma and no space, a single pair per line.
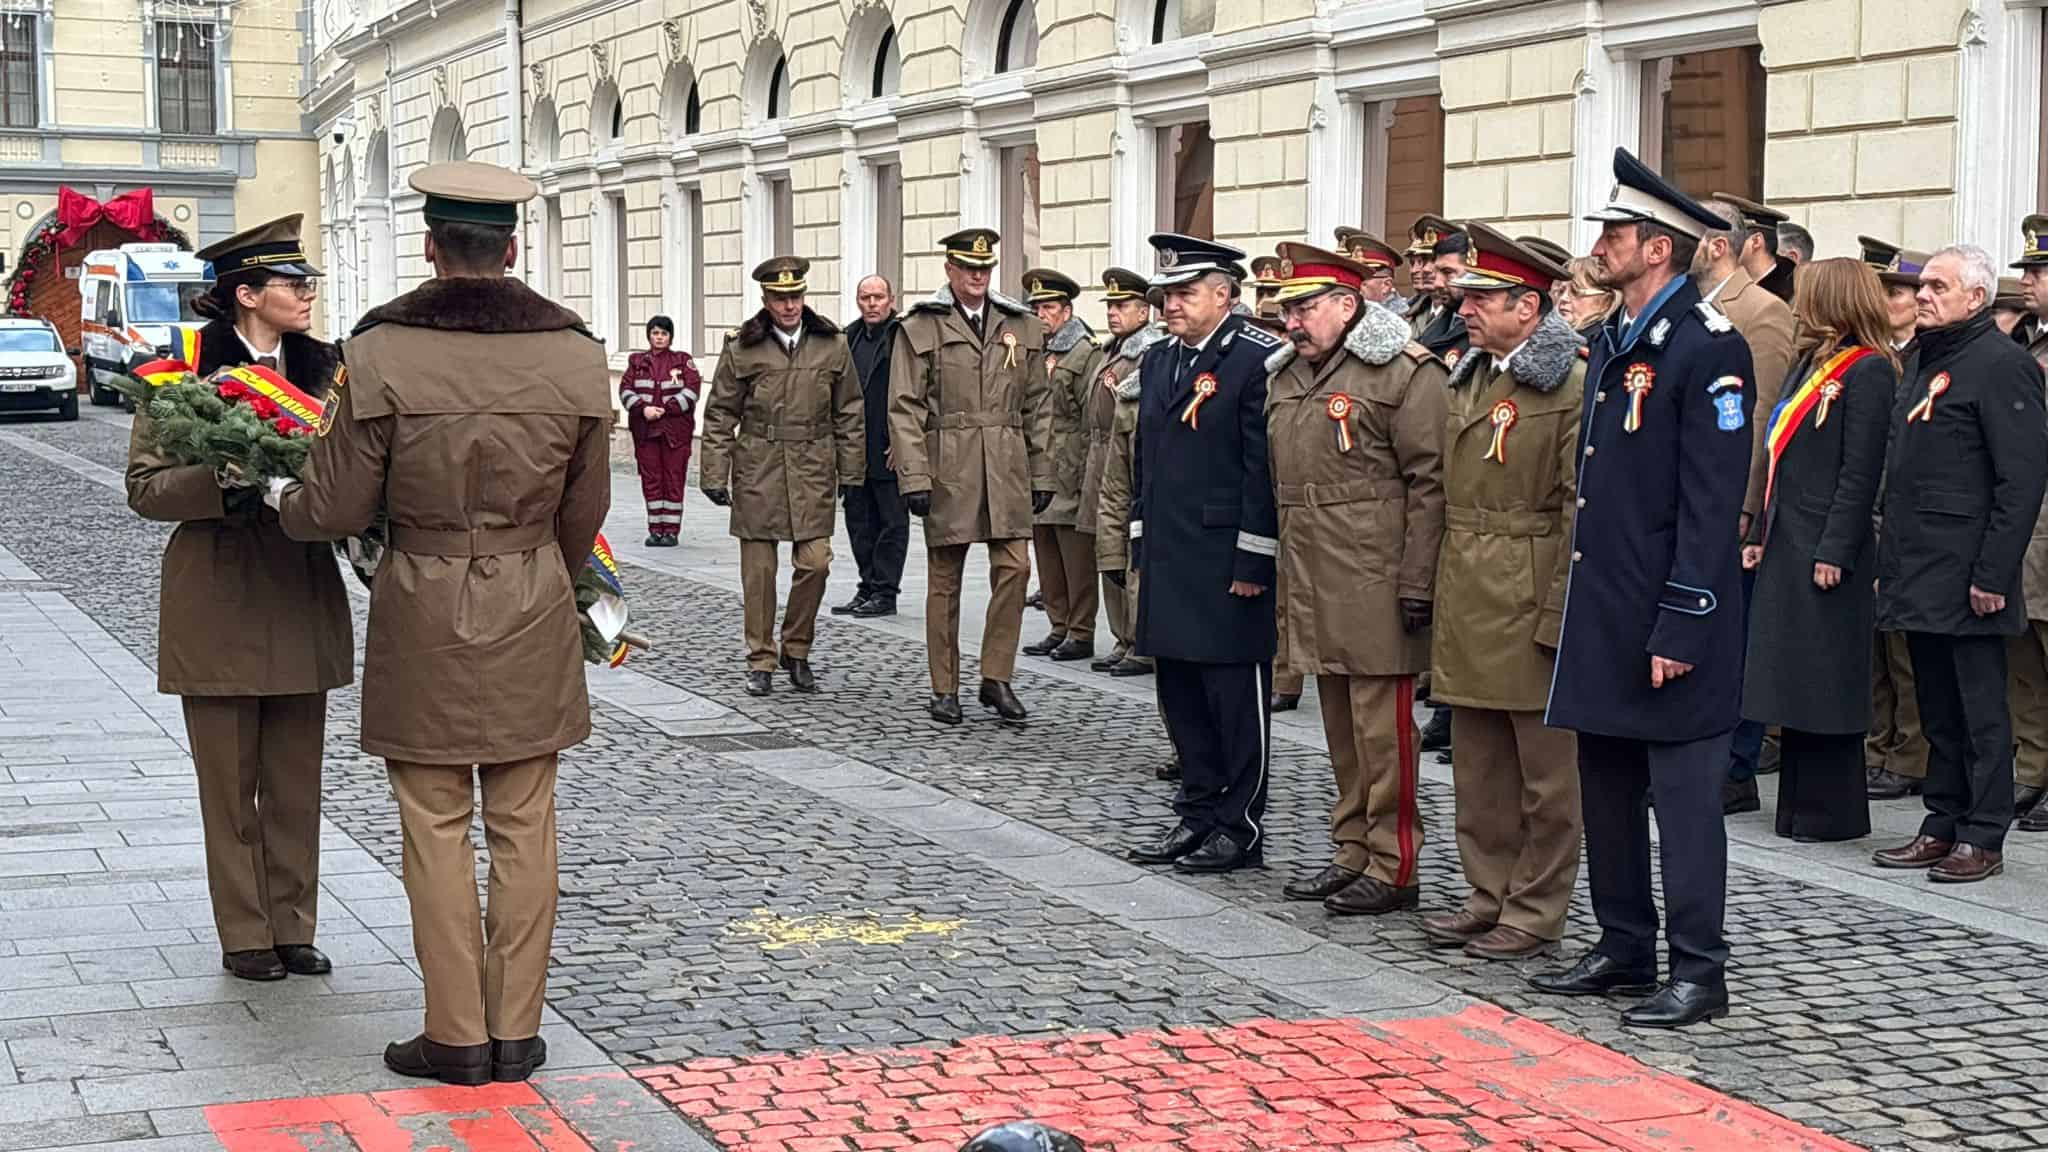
1066,558
1108,478
253,626
1355,417
1510,488
478,416
784,436
971,430
2027,653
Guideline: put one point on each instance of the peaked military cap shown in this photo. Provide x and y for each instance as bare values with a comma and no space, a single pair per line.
1549,249
2010,296
2035,229
1904,268
1043,284
1185,258
1497,262
1123,284
467,192
783,275
1641,196
1306,271
1366,248
1427,232
274,247
972,247
1755,217
1877,253
1266,272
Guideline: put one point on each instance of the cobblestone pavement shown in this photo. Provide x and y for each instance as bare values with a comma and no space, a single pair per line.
747,876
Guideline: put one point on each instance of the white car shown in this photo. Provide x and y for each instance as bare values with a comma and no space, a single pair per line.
35,373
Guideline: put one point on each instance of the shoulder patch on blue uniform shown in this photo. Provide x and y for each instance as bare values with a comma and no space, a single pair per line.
1716,320
1728,411
1258,336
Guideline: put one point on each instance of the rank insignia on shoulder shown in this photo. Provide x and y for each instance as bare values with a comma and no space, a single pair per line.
1716,320
1659,333
1725,384
1727,394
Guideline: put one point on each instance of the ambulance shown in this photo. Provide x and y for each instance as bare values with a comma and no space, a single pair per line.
135,305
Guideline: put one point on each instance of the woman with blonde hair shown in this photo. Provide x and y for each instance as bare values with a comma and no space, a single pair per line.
1815,552
1585,304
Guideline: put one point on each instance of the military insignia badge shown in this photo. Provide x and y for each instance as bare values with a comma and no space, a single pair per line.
1728,411
1715,319
1660,333
1009,349
1637,380
981,245
1924,410
1451,358
1205,387
1168,257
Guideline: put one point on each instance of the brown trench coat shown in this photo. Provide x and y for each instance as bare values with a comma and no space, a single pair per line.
1358,530
783,432
1072,360
2034,578
1119,359
1507,523
968,418
243,609
478,415
1765,323
1113,515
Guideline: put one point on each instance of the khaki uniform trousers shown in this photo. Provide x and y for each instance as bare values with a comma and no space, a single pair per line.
1066,578
1369,722
1009,570
1118,605
1286,681
2027,694
810,564
258,760
485,982
1895,743
1518,819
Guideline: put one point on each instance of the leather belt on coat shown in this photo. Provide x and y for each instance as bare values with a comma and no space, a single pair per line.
1346,492
789,432
473,541
980,420
1491,522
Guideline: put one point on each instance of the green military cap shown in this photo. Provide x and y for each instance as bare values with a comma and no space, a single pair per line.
1042,285
972,247
466,192
1755,217
1123,284
1877,253
273,247
783,274
2035,229
1549,249
1266,272
1426,232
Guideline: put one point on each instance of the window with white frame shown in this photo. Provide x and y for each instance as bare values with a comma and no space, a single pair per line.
1703,120
1173,19
1187,179
779,203
1017,37
449,139
887,179
683,270
617,284
1410,166
678,102
551,281
778,89
185,77
2041,120
18,71
607,118
1018,165
886,76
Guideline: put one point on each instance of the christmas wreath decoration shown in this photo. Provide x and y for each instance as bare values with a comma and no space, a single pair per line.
76,215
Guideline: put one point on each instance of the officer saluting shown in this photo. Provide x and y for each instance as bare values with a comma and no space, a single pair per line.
1204,532
1649,665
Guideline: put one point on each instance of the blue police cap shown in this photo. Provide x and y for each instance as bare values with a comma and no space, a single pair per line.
1023,1136
1185,258
1641,195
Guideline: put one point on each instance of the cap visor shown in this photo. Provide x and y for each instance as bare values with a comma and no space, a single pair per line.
2040,261
1298,292
302,271
1477,282
1902,279
971,261
1616,216
1180,276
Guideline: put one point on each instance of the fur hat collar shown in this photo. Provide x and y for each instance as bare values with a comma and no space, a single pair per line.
760,325
942,301
1543,363
474,304
1071,333
1376,337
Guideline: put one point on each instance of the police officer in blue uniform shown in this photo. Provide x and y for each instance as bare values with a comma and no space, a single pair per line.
1649,666
1204,531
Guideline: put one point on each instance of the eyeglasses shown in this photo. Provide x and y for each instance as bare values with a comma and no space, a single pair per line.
304,289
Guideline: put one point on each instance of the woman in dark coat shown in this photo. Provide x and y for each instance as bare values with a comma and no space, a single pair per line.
1811,617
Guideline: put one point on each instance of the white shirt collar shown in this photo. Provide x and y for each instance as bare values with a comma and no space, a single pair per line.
1709,297
1197,348
789,339
255,353
1502,363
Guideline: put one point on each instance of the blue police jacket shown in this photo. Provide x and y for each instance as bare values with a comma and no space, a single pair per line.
1656,562
1202,512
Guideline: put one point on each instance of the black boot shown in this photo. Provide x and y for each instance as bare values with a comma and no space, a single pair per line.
997,695
1436,735
1286,701
515,1060
851,607
1073,649
1115,657
1044,647
760,683
800,677
946,708
468,1064
876,606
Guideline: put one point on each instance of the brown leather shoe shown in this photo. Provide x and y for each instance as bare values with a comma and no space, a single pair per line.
1455,929
1967,864
1920,852
1370,897
1507,942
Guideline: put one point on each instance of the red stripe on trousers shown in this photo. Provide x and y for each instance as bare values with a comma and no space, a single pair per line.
1404,816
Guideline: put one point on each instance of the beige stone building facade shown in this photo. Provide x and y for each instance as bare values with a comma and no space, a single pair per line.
677,142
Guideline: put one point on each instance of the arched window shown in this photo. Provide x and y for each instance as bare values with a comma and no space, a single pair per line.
693,111
1017,37
680,114
873,67
544,134
448,140
765,87
618,120
1173,19
778,89
607,117
888,66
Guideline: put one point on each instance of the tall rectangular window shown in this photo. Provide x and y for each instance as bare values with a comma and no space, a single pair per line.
1703,120
621,278
781,214
695,322
1019,166
1413,184
18,85
2041,152
889,223
551,247
1187,180
184,77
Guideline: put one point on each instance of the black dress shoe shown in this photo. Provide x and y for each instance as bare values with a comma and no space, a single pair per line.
1035,600
1220,853
514,1060
1046,646
468,1064
654,539
1367,896
1739,796
669,541
1074,649
304,960
1885,784
1169,770
1177,843
2025,799
1115,657
1436,735
851,606
1596,975
2034,821
875,606
256,964
800,677
997,695
1132,666
760,683
1285,701
1322,885
1678,1004
946,709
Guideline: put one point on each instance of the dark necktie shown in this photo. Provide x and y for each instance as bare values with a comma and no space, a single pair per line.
974,321
269,362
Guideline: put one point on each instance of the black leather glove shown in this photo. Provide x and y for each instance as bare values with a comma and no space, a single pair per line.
919,503
719,496
1116,578
1415,614
1040,501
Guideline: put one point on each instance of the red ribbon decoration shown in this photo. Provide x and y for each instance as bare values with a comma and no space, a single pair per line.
133,211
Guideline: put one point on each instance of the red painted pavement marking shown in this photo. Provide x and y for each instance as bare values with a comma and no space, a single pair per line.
491,1118
1481,1079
